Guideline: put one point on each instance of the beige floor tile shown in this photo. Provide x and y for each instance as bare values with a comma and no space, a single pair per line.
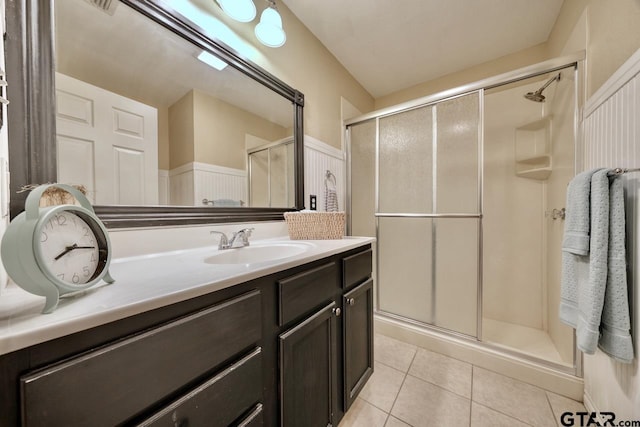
382,388
394,422
420,403
394,353
444,371
363,414
561,404
520,400
481,416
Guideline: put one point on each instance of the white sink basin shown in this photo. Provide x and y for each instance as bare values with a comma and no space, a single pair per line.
258,253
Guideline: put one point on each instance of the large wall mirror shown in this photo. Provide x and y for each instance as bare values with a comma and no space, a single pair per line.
156,119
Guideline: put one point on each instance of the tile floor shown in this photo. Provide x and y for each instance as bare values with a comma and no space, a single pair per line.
415,387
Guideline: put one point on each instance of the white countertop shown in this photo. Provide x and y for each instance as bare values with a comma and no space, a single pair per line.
142,283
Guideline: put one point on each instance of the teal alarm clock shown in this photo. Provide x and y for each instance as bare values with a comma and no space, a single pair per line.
56,250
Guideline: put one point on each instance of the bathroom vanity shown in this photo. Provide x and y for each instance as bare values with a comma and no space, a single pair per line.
286,342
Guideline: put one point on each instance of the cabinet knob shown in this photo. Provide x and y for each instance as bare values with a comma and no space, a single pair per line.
351,301
337,311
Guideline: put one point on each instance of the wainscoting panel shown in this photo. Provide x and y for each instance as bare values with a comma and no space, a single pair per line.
217,182
163,187
318,158
191,183
181,190
612,139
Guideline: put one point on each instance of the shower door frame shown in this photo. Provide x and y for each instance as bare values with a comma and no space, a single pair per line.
576,61
267,147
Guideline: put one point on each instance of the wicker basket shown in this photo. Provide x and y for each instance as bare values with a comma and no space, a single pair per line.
315,225
53,196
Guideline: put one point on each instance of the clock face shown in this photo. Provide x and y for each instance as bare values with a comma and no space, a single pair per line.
72,248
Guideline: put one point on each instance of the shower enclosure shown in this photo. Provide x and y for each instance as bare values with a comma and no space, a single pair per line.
465,192
271,174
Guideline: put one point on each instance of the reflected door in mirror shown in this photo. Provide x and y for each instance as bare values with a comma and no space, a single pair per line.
107,143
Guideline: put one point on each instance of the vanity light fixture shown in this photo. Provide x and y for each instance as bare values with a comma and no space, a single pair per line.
269,31
240,10
212,60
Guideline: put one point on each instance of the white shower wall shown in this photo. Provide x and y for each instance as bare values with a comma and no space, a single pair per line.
522,241
561,108
513,209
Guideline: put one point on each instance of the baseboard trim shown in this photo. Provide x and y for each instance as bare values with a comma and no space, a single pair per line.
475,353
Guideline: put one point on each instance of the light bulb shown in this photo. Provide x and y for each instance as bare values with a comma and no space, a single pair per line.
269,31
240,10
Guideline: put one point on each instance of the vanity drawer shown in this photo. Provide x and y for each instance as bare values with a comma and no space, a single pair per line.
304,292
138,371
356,268
219,401
254,419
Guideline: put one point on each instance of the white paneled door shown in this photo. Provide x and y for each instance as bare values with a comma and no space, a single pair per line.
106,142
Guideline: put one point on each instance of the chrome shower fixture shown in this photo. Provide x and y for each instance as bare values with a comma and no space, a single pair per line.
537,96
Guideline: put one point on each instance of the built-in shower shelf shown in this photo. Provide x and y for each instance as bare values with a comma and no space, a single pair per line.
545,160
539,174
533,149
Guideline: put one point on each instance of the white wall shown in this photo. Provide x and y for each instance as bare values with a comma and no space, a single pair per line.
318,158
4,160
612,139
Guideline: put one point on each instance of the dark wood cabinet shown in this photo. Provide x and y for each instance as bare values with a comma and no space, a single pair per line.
136,372
304,292
253,418
292,348
358,338
308,370
218,402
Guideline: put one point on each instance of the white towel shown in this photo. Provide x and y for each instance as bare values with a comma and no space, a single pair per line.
591,294
575,243
330,200
576,225
597,305
226,203
615,338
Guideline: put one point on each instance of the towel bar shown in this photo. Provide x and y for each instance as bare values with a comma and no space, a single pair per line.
620,171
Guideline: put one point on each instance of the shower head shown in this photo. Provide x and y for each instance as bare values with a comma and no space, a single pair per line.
537,96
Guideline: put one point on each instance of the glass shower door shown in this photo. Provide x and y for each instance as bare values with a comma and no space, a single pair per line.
428,214
405,176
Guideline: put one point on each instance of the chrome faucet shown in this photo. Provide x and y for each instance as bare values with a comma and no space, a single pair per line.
243,237
239,239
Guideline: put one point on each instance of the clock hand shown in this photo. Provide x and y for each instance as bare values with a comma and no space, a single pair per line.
70,248
66,251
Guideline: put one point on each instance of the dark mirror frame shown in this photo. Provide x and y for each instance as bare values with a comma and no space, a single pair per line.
30,74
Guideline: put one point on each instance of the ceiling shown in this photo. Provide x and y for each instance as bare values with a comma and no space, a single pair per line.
391,45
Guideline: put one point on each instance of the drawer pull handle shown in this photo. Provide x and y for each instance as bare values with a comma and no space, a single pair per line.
351,301
337,311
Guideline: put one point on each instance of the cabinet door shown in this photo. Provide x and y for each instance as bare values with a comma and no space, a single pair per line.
358,340
308,371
